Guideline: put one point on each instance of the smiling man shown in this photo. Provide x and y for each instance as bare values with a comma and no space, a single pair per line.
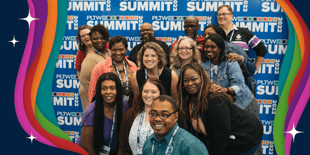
168,137
191,27
147,35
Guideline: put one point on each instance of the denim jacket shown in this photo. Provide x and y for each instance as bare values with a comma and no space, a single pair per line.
249,66
230,75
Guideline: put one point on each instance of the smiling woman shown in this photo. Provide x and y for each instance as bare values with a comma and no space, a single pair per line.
102,118
93,57
119,65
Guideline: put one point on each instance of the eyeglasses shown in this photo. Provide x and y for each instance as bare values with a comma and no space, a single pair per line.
223,14
161,116
185,48
189,26
146,30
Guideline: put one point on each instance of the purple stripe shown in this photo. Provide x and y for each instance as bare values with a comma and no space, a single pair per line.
254,41
241,44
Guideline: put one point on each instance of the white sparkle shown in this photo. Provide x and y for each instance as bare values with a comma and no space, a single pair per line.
29,19
294,132
14,41
31,138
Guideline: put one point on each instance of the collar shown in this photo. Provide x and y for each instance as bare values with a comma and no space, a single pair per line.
234,27
167,137
129,63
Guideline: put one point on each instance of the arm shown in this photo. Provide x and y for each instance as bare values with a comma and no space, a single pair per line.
134,85
258,62
92,84
236,79
218,117
87,139
174,82
124,147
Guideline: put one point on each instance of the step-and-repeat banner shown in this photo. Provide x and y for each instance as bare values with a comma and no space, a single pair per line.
264,18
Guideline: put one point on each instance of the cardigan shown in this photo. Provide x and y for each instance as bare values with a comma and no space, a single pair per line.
230,130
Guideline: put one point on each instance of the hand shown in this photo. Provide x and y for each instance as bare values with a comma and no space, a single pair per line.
217,88
235,57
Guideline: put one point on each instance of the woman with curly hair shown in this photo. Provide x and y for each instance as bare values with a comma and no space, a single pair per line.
102,118
152,61
99,36
223,127
184,52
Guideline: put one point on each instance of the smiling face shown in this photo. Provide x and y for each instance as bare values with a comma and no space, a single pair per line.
147,32
208,32
118,52
150,58
149,93
192,81
85,38
98,41
162,127
224,16
108,91
185,50
212,51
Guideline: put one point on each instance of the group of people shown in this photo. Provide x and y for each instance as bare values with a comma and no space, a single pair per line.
198,97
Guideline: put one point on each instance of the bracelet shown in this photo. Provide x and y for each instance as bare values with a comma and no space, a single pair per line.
228,92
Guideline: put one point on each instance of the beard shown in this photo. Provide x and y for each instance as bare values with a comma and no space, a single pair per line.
147,38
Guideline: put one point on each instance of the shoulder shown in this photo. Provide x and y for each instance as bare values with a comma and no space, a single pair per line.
217,99
131,64
137,47
245,30
128,113
89,113
186,139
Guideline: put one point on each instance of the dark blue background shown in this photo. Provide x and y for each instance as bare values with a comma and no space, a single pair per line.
13,137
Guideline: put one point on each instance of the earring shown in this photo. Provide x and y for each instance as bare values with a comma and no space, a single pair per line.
82,44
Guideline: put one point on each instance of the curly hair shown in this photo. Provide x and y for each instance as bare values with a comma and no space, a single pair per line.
203,95
99,109
219,41
102,30
217,29
82,46
158,50
118,39
139,104
174,56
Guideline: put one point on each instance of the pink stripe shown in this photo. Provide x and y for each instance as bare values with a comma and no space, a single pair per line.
296,115
19,86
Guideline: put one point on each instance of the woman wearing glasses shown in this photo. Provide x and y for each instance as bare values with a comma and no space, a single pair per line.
99,36
118,64
152,60
102,118
183,52
240,36
135,128
222,126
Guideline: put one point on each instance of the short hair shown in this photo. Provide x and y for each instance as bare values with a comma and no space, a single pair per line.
118,39
228,8
163,98
174,57
217,29
219,41
82,46
102,30
158,50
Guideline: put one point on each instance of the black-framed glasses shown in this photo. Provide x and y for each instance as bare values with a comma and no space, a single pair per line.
223,14
190,26
161,116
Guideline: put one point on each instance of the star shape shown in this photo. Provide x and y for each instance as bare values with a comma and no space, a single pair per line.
294,132
29,19
14,41
31,138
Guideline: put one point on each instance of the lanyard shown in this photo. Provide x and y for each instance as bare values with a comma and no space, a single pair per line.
101,53
112,130
139,128
119,75
169,145
232,34
213,70
145,72
198,115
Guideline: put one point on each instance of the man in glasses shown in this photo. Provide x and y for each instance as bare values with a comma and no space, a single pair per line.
240,36
168,137
147,35
191,27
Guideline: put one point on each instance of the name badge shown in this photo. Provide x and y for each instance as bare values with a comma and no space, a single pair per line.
106,150
170,149
139,151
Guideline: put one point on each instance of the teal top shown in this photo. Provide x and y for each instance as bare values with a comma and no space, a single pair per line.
183,143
